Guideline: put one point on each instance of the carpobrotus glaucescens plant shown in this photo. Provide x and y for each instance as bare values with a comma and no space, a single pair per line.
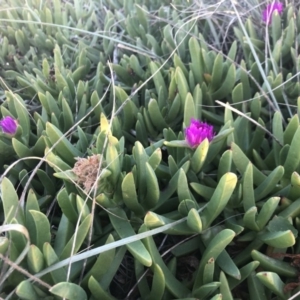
268,12
9,125
197,132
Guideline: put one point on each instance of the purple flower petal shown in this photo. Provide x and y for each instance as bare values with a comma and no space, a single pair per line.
9,125
197,132
268,12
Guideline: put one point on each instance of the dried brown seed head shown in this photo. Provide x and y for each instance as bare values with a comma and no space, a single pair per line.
87,170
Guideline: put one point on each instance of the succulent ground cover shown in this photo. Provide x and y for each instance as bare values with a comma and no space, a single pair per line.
149,149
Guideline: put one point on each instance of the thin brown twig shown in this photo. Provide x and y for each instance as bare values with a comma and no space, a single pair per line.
23,271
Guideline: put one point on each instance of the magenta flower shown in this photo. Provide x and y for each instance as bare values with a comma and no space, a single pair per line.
268,12
9,125
197,132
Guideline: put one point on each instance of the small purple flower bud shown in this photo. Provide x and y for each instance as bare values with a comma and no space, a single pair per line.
197,132
267,13
9,125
